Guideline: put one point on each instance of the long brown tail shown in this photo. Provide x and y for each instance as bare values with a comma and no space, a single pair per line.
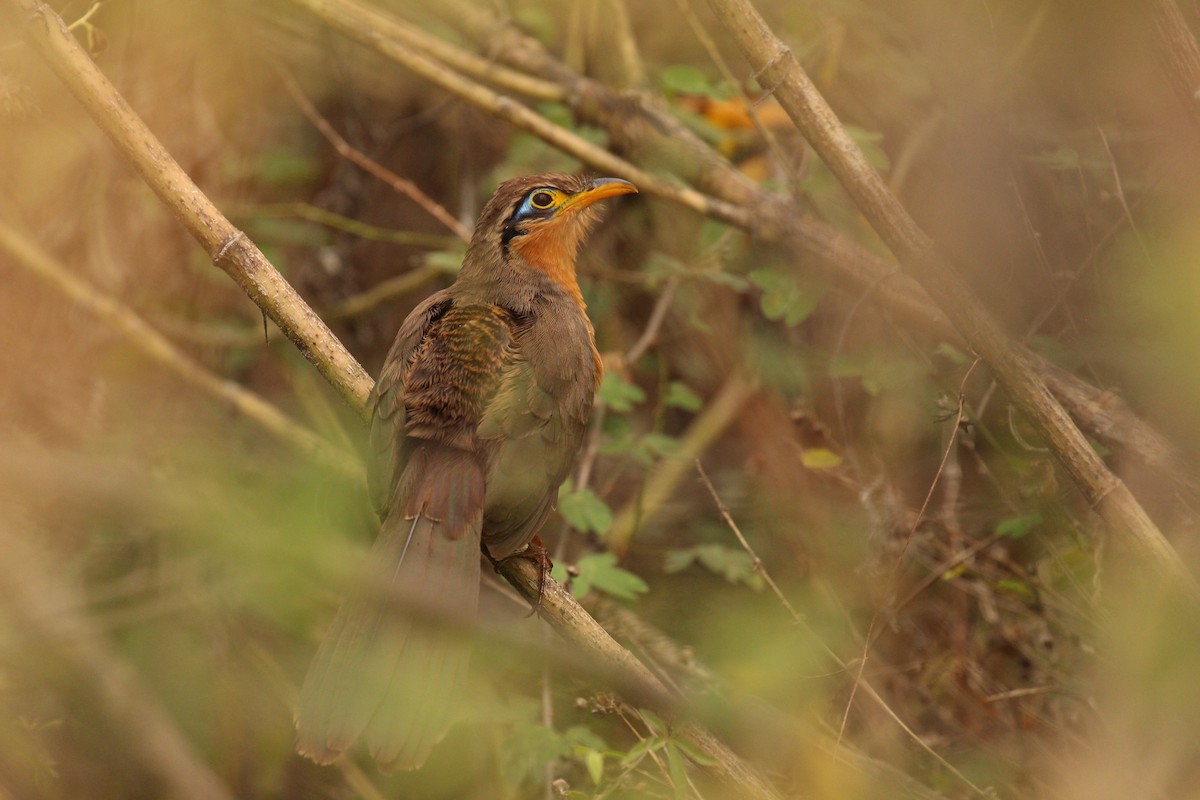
378,674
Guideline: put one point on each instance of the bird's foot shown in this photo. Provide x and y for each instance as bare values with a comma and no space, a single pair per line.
536,552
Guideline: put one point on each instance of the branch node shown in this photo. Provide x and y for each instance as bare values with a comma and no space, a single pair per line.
227,245
39,11
776,58
1110,485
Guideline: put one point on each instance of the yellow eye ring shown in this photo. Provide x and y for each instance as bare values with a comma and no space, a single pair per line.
541,199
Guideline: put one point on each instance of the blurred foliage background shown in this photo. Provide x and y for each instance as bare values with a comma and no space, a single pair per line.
170,567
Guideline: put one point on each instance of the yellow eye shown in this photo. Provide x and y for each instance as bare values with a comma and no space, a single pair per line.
541,199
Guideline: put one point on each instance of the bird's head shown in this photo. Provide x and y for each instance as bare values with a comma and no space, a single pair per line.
539,221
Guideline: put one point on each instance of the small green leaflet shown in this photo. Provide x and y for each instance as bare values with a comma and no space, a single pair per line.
619,394
783,298
951,353
684,79
819,458
680,395
735,566
594,761
1016,527
600,571
583,510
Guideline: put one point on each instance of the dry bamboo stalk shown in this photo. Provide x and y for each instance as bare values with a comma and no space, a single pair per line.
228,247
157,347
643,128
778,68
50,37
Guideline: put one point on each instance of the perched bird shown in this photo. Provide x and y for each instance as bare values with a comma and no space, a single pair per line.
478,414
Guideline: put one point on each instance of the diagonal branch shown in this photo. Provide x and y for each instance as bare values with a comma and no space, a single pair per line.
348,152
47,611
1015,367
649,134
777,67
383,34
247,265
228,247
158,348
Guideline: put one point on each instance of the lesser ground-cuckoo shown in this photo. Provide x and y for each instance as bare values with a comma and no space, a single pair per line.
478,414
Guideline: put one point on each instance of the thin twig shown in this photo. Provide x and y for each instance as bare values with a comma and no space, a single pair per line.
374,28
229,248
247,334
339,222
1120,191
705,429
138,333
647,131
758,564
916,251
1013,694
654,323
44,607
860,680
714,55
383,291
582,631
595,437
468,63
644,128
869,638
354,155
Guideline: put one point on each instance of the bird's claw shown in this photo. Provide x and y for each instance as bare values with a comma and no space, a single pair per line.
536,552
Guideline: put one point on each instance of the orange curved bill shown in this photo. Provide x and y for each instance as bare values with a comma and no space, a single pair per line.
598,190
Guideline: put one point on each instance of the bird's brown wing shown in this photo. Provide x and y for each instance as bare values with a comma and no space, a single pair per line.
533,428
383,672
388,451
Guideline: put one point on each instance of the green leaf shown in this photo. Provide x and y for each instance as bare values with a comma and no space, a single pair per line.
678,771
721,277
951,354
286,168
639,750
870,142
680,395
526,748
619,394
879,372
594,761
1019,588
684,79
583,736
954,572
601,571
690,750
819,458
659,444
1016,527
583,510
783,298
734,565
653,721
679,560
